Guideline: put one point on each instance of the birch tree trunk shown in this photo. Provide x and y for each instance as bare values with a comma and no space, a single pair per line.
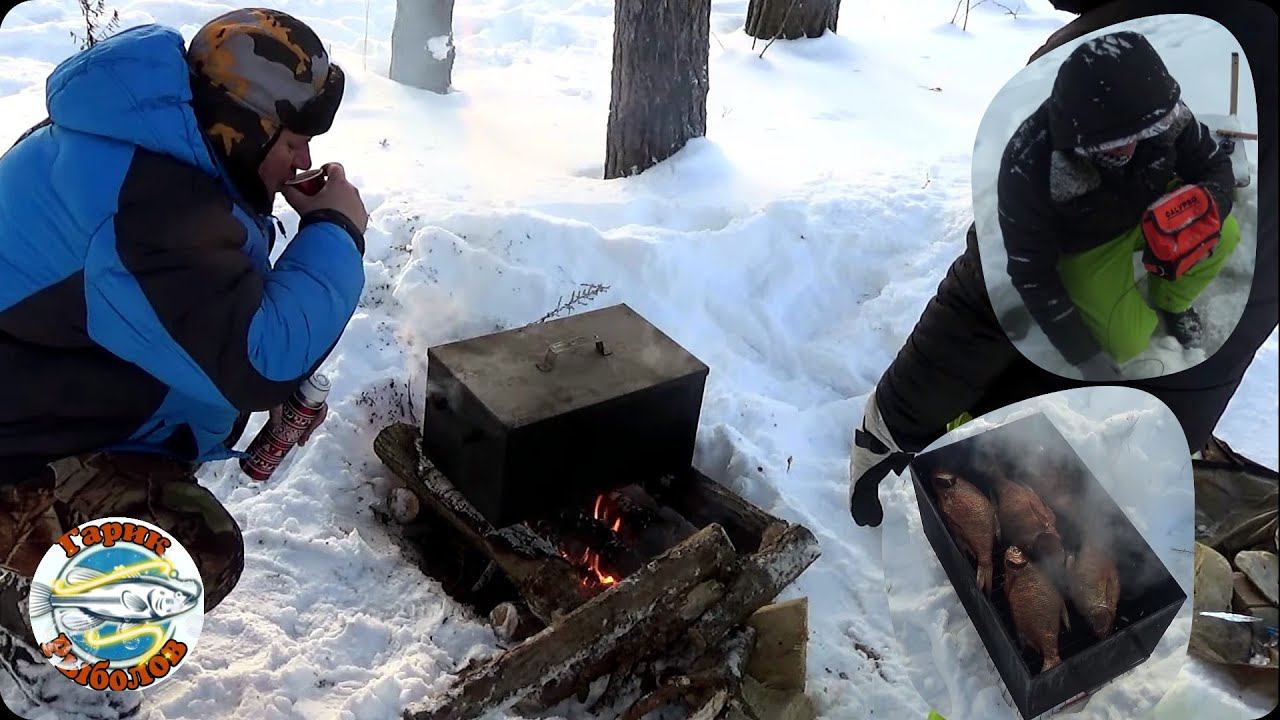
422,44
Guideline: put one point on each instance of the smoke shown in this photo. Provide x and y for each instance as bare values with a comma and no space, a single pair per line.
442,395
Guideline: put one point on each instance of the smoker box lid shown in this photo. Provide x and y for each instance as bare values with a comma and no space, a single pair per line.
502,369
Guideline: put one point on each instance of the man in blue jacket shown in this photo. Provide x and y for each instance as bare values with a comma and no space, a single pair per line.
141,319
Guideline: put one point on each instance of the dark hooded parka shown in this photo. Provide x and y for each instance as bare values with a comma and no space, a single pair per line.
958,358
1057,192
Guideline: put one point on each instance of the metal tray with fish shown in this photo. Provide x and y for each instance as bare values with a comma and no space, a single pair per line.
1093,646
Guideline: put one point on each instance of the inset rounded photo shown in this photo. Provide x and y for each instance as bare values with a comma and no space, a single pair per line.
1115,198
1041,558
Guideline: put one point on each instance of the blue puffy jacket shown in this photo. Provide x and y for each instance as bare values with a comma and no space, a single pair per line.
139,310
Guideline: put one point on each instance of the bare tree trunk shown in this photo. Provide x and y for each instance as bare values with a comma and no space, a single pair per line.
660,81
422,44
791,19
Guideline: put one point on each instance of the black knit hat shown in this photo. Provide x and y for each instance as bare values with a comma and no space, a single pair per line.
1111,88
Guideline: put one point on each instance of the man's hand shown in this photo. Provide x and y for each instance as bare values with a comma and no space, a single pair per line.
337,194
276,416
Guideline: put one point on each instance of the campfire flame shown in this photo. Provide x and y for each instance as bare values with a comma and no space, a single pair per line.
599,514
590,560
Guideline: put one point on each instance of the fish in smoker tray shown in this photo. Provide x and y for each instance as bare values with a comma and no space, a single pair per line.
1026,522
1036,606
1061,491
971,518
1093,585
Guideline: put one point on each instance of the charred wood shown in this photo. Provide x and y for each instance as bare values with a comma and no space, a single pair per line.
703,501
644,613
547,582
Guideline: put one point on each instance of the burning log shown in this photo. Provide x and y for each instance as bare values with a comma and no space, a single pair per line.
547,582
658,619
593,545
624,529
642,523
648,609
703,501
754,582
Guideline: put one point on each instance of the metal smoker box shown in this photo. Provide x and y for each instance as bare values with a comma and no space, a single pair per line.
1143,613
527,420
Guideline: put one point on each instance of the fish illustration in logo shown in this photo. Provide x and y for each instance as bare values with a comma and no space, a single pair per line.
131,599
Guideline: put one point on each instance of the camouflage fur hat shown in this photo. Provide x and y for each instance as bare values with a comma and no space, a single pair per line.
255,72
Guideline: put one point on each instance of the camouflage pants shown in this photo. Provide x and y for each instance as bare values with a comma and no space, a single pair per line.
36,512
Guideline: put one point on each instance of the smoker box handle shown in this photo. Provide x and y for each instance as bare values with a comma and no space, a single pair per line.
548,361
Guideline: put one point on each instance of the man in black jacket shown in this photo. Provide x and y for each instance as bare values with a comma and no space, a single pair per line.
1075,180
959,359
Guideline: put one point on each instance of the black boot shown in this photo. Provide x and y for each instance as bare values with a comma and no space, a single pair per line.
14,589
1185,327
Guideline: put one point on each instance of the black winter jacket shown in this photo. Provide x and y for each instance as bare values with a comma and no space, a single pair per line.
1054,200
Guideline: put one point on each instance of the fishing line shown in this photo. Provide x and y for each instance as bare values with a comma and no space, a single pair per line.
1133,288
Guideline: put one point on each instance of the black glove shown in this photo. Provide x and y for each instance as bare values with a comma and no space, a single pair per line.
864,503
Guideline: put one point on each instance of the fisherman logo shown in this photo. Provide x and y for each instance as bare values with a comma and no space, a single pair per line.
117,604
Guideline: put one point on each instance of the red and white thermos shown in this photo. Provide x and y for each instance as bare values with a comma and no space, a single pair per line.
276,439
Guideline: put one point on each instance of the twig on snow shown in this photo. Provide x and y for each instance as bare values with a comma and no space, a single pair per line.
781,26
585,293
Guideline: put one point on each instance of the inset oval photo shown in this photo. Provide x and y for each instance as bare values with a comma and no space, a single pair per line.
1115,197
1042,557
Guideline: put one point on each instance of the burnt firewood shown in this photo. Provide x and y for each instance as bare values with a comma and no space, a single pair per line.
703,501
760,578
646,526
719,670
640,616
575,532
546,581
787,550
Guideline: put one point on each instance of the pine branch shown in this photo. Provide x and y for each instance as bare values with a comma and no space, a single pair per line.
585,293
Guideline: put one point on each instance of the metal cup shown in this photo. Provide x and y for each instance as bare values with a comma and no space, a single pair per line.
309,182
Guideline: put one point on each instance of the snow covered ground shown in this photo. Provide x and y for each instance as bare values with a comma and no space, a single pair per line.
792,250
1197,52
1131,444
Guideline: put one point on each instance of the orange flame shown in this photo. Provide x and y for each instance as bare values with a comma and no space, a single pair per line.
599,513
590,559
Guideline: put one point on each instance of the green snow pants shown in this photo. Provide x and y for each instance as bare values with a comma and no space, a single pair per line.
1100,283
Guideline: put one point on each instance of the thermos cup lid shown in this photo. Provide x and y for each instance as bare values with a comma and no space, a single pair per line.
315,389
